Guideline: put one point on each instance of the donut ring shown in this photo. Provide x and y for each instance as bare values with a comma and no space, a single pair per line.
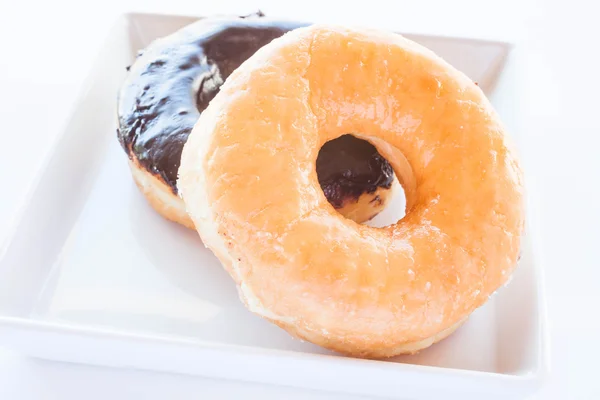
355,289
173,80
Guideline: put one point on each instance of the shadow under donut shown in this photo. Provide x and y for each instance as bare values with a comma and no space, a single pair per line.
179,255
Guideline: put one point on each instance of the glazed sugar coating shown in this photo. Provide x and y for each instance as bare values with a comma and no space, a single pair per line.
360,290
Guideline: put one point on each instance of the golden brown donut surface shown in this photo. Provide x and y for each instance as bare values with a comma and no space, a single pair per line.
360,290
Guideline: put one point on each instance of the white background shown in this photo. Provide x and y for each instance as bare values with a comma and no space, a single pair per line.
46,49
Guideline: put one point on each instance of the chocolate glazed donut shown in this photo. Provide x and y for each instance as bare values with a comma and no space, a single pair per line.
173,80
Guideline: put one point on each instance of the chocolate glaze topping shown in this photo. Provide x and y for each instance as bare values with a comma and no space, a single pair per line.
175,78
348,167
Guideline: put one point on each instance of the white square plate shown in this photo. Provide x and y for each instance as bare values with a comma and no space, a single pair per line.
92,274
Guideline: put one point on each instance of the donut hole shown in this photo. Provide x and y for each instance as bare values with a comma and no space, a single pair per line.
394,211
359,182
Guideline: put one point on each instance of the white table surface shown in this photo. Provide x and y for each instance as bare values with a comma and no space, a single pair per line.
46,49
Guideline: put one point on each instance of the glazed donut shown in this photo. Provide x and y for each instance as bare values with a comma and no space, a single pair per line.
173,81
355,289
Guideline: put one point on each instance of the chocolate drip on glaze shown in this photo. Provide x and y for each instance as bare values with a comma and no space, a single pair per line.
166,94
